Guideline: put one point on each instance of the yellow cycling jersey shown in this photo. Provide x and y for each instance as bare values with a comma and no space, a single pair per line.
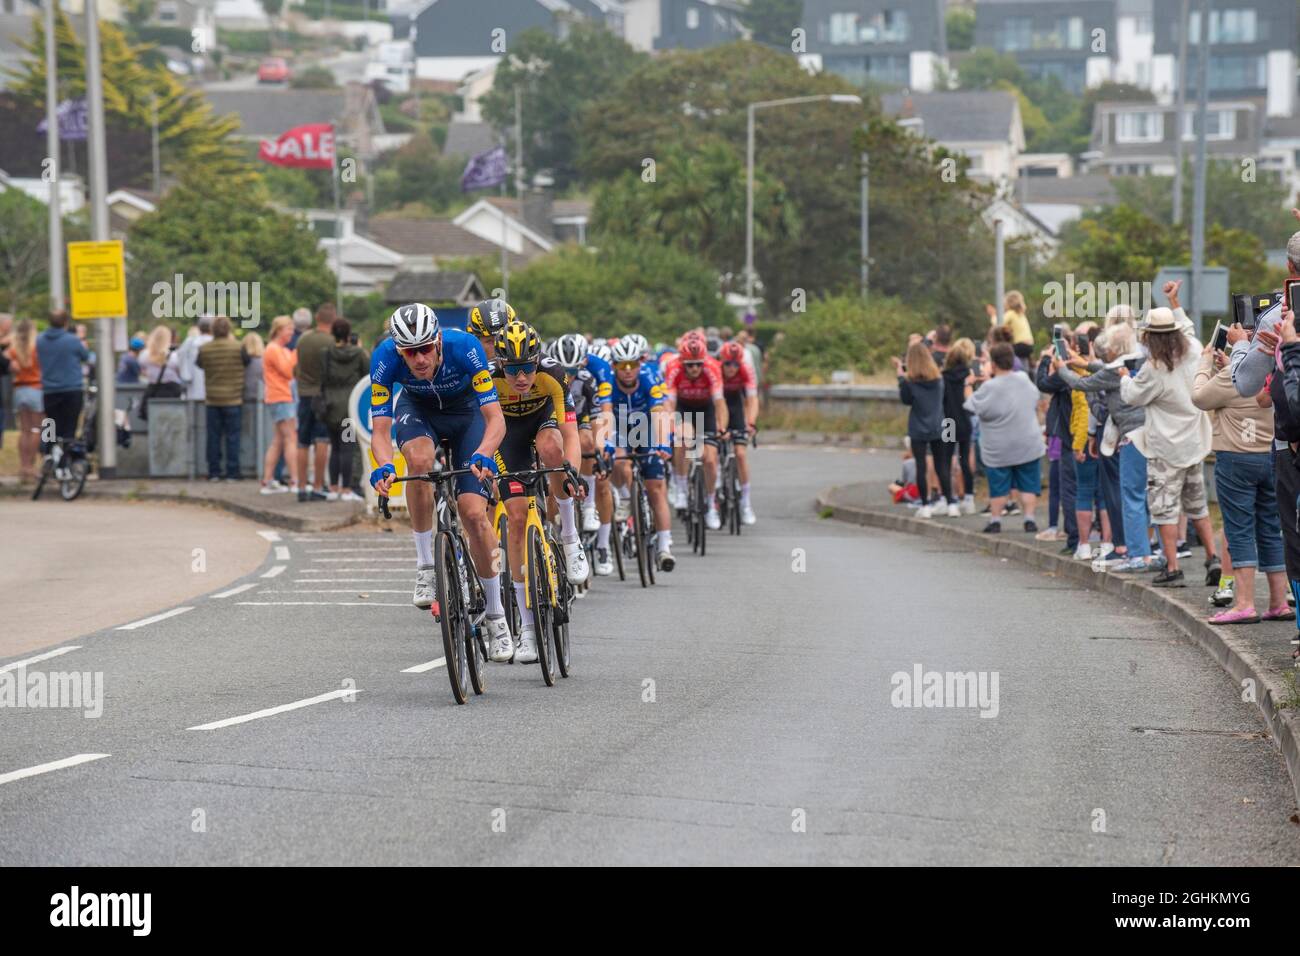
546,388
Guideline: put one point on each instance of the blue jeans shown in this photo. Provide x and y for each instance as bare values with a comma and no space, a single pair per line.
1108,473
223,420
1133,493
1248,502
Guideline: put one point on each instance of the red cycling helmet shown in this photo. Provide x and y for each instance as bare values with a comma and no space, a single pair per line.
694,348
731,352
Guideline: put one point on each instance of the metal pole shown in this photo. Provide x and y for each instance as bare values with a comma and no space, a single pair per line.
519,152
1198,194
52,157
338,227
866,169
999,283
98,162
157,162
749,212
505,259
1181,108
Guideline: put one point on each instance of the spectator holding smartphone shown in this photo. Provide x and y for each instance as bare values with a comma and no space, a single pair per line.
957,368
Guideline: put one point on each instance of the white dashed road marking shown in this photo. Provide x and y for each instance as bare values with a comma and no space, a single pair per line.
235,590
48,767
323,603
41,657
155,619
272,711
270,535
282,552
424,668
275,571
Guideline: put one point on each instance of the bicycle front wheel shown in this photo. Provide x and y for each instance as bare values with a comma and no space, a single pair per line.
539,594
453,616
639,533
71,487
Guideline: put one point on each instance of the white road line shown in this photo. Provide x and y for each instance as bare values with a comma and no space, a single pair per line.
364,581
272,711
326,603
270,535
235,590
359,557
275,571
155,619
424,668
41,657
354,551
47,767
335,590
282,552
345,570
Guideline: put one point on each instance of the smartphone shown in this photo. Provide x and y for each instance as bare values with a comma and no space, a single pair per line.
1082,343
1288,296
1220,337
1061,351
1131,365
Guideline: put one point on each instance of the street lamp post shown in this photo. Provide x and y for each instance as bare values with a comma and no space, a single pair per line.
848,98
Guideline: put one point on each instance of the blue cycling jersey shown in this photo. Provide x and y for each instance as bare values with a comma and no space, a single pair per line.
632,424
463,380
603,372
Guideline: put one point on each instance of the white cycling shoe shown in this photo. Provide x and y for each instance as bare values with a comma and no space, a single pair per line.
590,520
665,560
575,561
747,515
622,507
423,597
500,645
711,519
526,653
604,566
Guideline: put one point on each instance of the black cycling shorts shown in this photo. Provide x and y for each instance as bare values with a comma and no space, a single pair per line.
702,417
516,450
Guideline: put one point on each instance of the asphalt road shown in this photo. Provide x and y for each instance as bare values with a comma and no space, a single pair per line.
771,737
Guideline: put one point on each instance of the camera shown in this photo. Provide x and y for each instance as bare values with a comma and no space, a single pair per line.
1246,307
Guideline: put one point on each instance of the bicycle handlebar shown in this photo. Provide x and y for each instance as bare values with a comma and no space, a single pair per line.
434,478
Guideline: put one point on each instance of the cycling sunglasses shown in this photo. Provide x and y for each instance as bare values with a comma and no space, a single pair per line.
627,366
731,365
521,368
692,365
420,349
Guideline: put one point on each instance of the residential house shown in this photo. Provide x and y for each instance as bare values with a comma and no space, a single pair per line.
197,16
363,264
681,24
1251,52
984,126
72,190
425,243
1054,201
1019,223
266,113
1138,139
436,289
897,43
1072,40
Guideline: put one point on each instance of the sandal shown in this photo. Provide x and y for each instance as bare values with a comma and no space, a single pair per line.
1283,613
1236,616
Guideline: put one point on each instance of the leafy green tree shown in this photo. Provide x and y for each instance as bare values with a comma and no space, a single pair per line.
221,231
24,251
138,12
557,79
959,24
313,78
773,21
812,345
697,203
1255,204
621,287
417,177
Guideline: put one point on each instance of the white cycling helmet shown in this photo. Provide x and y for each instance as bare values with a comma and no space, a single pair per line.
600,350
639,342
627,349
413,325
569,350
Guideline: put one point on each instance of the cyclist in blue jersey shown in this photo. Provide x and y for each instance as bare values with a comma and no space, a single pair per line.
447,393
641,425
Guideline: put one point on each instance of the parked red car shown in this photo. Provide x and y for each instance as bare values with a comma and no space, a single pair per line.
273,70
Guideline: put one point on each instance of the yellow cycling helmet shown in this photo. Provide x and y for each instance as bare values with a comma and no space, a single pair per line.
518,342
489,317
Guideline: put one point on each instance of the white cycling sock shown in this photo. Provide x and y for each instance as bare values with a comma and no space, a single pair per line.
602,536
423,548
492,592
665,540
679,481
744,493
568,530
590,503
521,602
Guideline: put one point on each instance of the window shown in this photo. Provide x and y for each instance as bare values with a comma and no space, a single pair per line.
1071,74
858,29
1138,128
1142,26
1016,33
844,28
1235,73
692,19
1226,26
1219,124
166,13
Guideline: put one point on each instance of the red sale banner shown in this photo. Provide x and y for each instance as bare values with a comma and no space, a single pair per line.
303,147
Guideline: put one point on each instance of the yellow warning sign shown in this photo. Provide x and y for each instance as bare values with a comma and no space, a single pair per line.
97,279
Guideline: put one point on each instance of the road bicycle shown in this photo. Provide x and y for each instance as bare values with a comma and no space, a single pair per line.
637,536
729,480
460,604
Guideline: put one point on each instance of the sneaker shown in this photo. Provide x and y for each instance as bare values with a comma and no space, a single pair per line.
1031,526
500,646
350,496
1119,565
423,597
604,566
1224,596
590,520
713,522
664,560
1084,552
1169,579
1182,550
622,507
925,511
526,652
988,510
212,478
1051,534
332,496
747,515
270,490
1010,508
1105,549
993,527
968,505
1213,571
575,561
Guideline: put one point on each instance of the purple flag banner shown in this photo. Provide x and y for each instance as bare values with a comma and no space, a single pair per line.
72,120
485,170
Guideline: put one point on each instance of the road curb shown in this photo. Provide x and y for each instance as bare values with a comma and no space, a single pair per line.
1240,662
264,516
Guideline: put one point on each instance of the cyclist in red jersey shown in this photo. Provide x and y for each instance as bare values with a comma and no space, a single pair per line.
740,388
694,383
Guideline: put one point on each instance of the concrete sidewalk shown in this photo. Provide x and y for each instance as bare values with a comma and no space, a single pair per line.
1260,652
243,498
